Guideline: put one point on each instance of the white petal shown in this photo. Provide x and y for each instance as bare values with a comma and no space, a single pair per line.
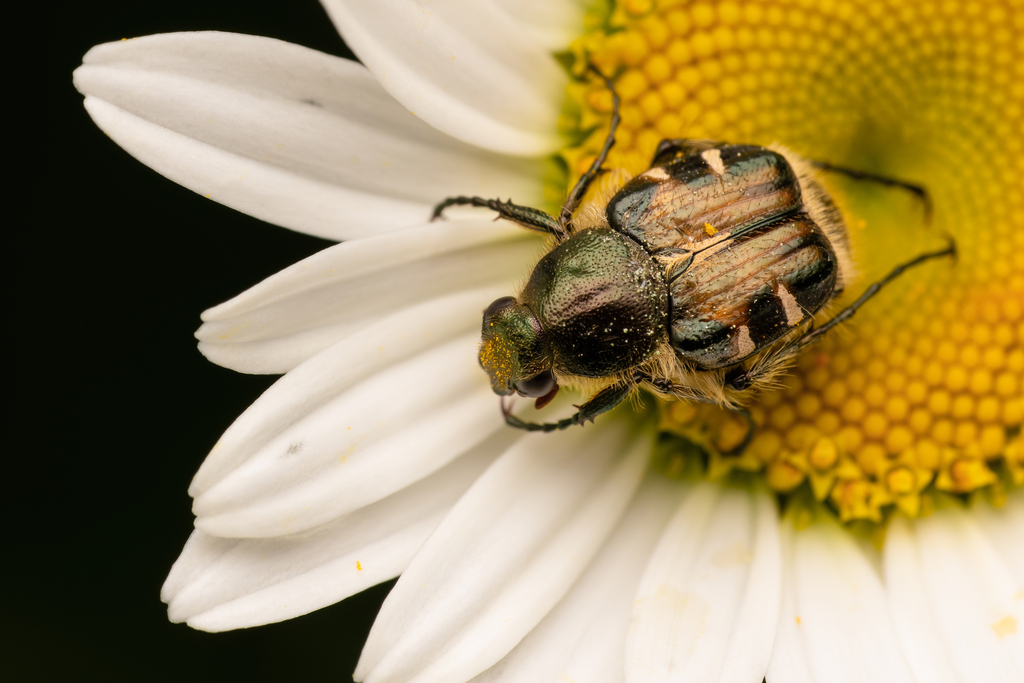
908,599
834,625
553,24
1005,531
295,314
956,604
581,638
507,553
219,584
381,435
283,133
330,374
466,68
708,604
199,553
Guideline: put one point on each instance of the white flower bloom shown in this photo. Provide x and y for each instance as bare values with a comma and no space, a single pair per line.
381,451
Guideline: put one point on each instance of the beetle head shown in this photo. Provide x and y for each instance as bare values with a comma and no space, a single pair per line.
514,352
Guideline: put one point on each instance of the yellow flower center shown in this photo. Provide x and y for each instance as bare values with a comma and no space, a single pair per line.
923,390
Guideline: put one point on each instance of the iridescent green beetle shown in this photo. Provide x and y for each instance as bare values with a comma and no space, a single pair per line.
699,280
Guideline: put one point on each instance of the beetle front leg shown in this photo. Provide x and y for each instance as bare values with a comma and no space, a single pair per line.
527,217
599,403
580,188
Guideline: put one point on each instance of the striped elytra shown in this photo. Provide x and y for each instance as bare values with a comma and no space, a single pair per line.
745,263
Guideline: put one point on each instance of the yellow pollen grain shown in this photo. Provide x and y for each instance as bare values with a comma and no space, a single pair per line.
930,371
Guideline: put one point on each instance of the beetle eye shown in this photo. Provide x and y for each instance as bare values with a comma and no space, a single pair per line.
538,386
497,305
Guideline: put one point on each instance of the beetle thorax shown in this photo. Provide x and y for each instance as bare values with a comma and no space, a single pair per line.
601,301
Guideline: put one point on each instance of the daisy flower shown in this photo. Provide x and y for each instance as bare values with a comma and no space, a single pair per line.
874,528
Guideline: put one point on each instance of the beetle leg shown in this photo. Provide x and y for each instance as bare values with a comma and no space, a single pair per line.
584,182
812,336
683,393
917,190
528,217
848,312
599,403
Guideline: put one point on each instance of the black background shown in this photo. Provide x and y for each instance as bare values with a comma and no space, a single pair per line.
108,267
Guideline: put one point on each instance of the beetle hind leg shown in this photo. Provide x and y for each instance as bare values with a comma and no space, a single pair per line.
918,191
742,381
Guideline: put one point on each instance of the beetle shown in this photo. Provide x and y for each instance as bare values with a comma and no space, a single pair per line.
698,280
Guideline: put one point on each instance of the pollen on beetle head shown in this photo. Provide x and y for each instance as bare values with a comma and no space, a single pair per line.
499,359
921,394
